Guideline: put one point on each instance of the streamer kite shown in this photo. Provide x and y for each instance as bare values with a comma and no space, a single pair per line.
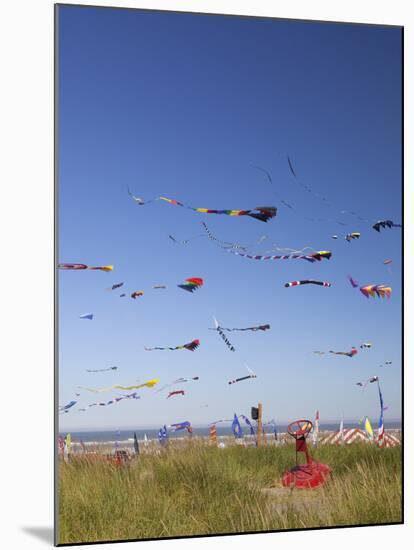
253,329
307,282
250,375
314,257
178,381
261,213
114,400
351,353
86,316
223,336
102,370
191,284
115,286
382,224
351,236
136,294
148,384
84,266
175,392
68,406
191,346
137,200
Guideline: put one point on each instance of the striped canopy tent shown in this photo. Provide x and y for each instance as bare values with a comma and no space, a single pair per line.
390,440
352,435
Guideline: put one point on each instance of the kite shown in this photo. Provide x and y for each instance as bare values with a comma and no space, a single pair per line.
102,370
83,266
175,392
308,282
366,345
178,381
269,177
350,236
383,224
65,408
137,294
320,352
223,336
387,262
250,375
359,384
253,329
290,166
381,291
369,381
334,237
261,213
314,257
122,295
353,282
386,364
159,286
186,425
191,346
115,400
368,428
86,316
191,284
138,200
223,244
115,286
148,384
351,353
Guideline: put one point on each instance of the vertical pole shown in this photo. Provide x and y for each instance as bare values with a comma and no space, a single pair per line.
259,426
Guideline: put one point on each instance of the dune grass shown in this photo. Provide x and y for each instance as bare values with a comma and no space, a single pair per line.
204,490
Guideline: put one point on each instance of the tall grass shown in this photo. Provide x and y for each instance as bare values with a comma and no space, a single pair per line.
204,490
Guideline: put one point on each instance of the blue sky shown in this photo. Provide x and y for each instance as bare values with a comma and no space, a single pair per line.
182,105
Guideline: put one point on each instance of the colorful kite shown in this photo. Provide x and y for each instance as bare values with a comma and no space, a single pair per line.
191,346
381,291
86,316
137,293
191,284
250,375
314,257
148,384
223,336
307,282
84,266
175,392
102,370
383,224
262,213
253,329
351,353
115,400
350,236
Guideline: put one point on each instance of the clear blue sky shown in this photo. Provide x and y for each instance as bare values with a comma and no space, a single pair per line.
181,105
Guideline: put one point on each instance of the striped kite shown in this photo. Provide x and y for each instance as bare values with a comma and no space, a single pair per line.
308,282
383,224
313,257
175,392
191,346
84,266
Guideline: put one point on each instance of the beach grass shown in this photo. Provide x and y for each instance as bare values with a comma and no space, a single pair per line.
202,490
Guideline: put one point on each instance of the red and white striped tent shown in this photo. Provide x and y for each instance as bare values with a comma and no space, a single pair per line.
349,436
390,440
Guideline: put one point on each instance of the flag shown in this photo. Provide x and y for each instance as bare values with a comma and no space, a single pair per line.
213,434
248,423
163,435
368,429
341,430
236,428
315,432
136,446
380,438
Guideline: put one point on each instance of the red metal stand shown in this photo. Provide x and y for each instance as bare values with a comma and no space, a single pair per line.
304,476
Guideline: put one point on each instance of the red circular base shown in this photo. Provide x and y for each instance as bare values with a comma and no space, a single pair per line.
306,476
